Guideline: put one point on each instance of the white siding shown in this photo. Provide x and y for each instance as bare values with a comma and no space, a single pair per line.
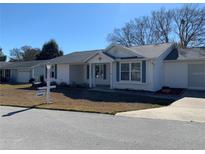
76,74
176,73
14,75
158,72
23,75
63,73
38,72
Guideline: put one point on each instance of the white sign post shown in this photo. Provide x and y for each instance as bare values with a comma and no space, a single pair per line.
41,91
48,66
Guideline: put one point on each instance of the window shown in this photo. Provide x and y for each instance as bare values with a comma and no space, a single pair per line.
130,71
1,73
7,73
52,74
135,72
125,71
100,71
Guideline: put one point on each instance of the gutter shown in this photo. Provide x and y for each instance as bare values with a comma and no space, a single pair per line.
183,60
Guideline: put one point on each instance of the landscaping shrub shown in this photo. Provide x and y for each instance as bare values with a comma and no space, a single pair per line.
63,84
31,80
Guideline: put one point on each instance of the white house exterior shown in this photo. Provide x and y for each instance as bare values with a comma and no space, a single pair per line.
22,72
137,68
148,68
185,68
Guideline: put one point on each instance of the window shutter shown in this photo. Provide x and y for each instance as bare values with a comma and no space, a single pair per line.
87,71
46,72
143,71
55,71
104,71
117,71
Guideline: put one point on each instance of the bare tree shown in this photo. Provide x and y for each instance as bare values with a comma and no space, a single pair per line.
30,53
16,55
142,30
2,56
136,32
161,25
25,53
123,36
190,25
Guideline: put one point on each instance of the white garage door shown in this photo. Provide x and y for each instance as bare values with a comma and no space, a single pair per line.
23,76
196,76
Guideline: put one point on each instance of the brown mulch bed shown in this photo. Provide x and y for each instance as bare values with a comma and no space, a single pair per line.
170,91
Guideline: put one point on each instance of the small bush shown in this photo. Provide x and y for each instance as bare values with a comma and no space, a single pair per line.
53,83
3,79
31,80
42,79
63,84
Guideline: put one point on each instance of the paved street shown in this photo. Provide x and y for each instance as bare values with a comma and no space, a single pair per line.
44,129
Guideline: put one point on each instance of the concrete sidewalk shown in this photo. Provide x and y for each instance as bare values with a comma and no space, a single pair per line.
185,109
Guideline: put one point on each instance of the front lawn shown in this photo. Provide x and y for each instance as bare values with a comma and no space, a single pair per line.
75,99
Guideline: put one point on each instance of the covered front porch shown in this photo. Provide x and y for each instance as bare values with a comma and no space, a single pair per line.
99,75
100,71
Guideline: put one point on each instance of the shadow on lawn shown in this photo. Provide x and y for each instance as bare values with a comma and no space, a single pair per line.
114,97
19,111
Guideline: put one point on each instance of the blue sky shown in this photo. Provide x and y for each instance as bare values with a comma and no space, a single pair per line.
75,27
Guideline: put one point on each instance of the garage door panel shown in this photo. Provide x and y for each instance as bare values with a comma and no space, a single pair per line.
23,76
196,75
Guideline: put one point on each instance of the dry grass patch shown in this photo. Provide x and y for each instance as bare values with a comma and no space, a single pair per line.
75,100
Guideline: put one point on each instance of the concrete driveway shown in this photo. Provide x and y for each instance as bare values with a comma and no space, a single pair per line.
185,109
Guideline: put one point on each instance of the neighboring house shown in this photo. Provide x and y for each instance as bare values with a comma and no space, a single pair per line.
22,72
148,67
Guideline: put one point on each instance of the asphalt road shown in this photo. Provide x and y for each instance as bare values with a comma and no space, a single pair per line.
44,129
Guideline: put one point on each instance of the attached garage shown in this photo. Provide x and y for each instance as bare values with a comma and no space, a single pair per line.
185,68
196,76
23,76
23,71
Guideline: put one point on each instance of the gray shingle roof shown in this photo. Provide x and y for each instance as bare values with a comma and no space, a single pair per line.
75,57
21,64
3,64
151,51
186,54
146,51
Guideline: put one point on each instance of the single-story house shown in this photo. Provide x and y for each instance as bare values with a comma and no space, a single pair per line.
148,67
22,71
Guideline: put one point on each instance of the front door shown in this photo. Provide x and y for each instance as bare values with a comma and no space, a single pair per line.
101,74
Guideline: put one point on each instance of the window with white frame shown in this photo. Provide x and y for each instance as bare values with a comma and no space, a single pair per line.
125,71
136,71
130,71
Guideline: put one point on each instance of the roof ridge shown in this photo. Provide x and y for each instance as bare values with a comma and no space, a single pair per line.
84,51
151,44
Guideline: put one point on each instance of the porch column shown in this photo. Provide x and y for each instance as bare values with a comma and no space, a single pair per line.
111,86
90,75
93,75
33,73
68,74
